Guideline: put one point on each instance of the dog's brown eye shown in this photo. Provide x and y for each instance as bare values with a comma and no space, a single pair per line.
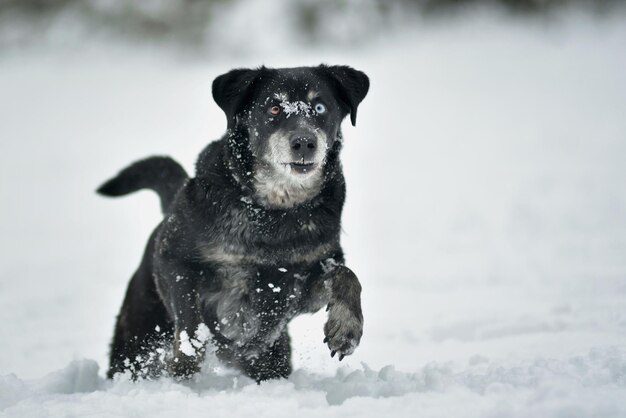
275,110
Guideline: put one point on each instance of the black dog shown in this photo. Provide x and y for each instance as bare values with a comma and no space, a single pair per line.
253,240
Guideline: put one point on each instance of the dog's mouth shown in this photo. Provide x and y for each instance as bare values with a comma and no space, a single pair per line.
301,167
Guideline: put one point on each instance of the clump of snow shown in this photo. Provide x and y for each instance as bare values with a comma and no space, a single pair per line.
296,108
202,333
185,345
275,289
191,346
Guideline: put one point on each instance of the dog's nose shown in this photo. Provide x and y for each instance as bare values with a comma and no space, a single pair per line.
298,142
303,146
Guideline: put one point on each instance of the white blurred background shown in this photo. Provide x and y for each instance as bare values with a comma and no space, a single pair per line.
486,210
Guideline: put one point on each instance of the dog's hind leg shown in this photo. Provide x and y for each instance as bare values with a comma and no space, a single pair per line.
142,327
141,331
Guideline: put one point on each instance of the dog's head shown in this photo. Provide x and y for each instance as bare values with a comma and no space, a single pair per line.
284,124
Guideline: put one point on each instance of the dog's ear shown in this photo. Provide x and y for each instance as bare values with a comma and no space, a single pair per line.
352,86
230,90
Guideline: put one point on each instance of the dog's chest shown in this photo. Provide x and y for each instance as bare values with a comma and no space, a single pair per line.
263,262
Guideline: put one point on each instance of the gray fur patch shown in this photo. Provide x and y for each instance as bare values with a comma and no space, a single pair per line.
236,320
232,255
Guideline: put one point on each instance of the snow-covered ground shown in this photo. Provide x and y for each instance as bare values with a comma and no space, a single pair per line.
486,219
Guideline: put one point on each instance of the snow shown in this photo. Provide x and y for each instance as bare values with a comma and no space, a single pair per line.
185,345
296,108
539,387
486,220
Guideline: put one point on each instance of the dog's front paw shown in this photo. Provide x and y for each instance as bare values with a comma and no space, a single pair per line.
343,330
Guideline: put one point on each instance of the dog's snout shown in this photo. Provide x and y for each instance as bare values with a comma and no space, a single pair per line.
303,146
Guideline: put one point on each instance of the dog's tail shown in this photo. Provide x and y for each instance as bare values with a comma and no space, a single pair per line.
161,174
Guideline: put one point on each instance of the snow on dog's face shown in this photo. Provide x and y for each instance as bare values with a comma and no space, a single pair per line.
283,123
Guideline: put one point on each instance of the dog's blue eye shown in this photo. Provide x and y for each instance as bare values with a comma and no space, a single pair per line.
320,108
